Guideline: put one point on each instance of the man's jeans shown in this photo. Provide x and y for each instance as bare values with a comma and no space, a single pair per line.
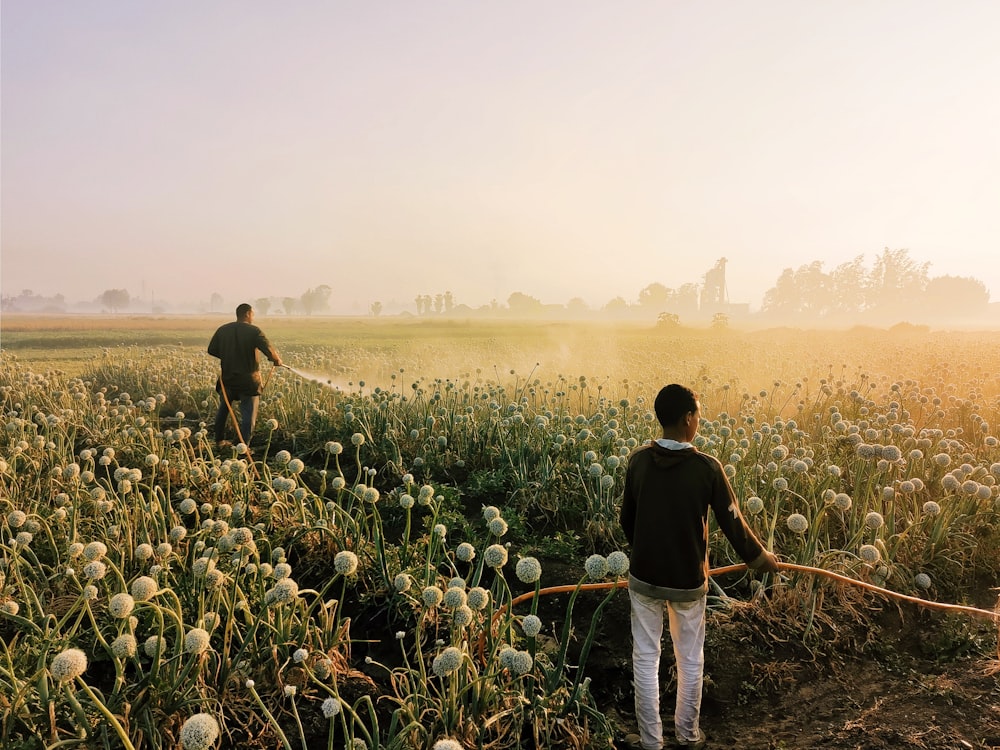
248,417
687,632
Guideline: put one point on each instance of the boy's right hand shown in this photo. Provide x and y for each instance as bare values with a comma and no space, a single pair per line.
768,563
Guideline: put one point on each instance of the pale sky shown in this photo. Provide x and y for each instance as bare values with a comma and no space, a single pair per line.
558,148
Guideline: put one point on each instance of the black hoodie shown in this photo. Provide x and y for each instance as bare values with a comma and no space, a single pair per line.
665,517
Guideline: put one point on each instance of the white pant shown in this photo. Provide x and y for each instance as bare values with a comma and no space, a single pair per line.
687,632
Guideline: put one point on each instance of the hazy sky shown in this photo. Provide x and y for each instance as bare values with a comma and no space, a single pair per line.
557,148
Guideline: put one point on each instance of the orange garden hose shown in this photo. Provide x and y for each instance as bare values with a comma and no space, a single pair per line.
623,583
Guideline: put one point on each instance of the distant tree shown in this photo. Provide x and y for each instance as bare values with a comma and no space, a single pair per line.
290,304
849,287
262,305
720,322
375,308
955,296
577,306
215,302
896,282
523,304
783,298
449,302
616,306
655,297
668,320
115,299
316,300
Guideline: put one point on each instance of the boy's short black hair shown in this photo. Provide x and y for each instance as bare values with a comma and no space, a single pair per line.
673,402
242,310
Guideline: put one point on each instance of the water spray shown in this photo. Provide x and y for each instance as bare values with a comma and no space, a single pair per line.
311,377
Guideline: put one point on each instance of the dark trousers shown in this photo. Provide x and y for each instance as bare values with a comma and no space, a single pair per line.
248,417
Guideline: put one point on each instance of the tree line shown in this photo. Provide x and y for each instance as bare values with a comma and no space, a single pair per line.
894,288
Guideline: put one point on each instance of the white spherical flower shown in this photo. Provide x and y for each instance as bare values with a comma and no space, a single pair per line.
507,656
531,625
448,744
521,663
490,512
462,616
843,501
528,569
188,506
290,691
931,508
432,596
68,665
282,570
454,597
282,457
295,466
95,551
922,581
780,484
447,661
345,562
618,563
199,732
196,641
331,707
874,520
797,523
90,592
334,448
465,552
95,570
495,556
75,550
124,646
402,582
370,495
357,439
154,646
440,530
121,605
284,591
16,519
596,566
497,526
984,492
478,598
143,552
869,553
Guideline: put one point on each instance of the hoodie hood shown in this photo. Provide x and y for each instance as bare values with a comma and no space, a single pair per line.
668,457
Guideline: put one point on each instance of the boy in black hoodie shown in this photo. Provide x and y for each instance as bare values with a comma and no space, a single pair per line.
669,487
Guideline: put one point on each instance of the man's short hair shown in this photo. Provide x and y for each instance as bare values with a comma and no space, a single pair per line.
243,310
673,402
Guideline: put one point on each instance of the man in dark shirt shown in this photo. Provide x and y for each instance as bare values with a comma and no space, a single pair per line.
236,345
669,487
